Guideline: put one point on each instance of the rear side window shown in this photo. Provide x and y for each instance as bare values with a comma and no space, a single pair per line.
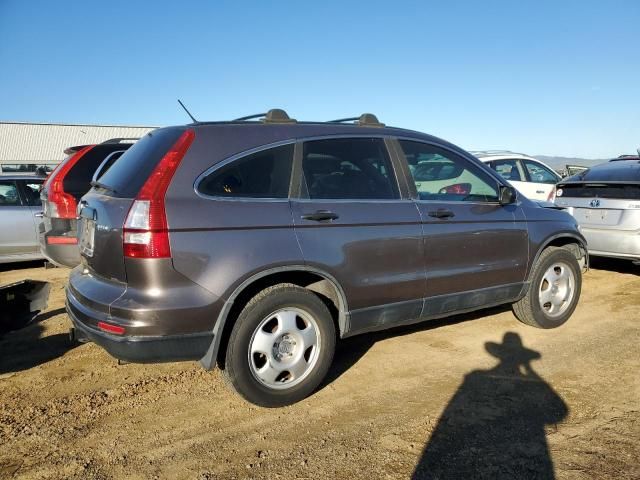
348,168
508,169
108,162
265,174
32,192
127,175
539,173
9,196
450,177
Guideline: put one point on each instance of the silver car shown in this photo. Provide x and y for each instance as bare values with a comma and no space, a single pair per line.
605,201
20,212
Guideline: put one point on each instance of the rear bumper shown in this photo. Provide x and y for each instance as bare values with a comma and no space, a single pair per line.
612,243
171,324
136,349
62,255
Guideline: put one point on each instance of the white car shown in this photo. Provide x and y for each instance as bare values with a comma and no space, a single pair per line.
529,176
20,213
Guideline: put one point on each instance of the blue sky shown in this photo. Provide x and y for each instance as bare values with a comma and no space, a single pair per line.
546,77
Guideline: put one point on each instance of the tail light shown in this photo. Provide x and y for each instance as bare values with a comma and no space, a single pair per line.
61,204
145,231
552,194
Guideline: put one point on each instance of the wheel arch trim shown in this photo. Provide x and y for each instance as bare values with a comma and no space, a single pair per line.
568,235
208,361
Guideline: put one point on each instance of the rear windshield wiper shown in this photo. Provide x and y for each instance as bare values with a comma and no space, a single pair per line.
95,183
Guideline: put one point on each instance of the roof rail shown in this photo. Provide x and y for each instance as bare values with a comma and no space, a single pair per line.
497,152
275,115
120,140
491,152
342,120
364,120
249,117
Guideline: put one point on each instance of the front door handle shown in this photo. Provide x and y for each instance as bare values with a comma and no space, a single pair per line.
39,214
441,213
320,216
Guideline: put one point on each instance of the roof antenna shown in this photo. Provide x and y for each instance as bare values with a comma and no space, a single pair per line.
188,112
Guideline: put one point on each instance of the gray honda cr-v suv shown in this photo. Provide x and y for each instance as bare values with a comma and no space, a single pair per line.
257,244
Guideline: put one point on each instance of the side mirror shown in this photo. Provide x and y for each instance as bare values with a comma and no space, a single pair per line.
507,195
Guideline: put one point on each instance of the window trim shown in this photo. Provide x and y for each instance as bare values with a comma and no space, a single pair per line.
239,156
500,182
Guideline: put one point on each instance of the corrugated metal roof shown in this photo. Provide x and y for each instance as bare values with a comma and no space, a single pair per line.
45,143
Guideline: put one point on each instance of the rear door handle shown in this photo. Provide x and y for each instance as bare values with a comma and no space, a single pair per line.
539,191
39,214
441,213
320,216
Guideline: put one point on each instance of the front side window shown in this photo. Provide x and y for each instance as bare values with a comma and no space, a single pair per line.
539,173
265,174
348,168
9,196
442,175
509,169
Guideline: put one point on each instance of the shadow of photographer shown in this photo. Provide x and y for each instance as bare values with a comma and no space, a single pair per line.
494,426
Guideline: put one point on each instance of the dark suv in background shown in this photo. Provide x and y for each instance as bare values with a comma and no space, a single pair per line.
257,244
62,190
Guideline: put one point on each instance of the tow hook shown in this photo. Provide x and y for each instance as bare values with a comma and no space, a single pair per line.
76,336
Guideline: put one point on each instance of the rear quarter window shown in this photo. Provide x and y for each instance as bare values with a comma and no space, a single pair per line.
264,174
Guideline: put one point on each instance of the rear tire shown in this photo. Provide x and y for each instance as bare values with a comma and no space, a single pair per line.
554,290
281,346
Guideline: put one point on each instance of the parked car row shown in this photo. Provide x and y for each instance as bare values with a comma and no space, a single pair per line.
533,178
62,191
605,200
39,210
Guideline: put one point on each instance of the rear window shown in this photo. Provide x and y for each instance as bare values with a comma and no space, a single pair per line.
620,191
621,171
127,175
78,180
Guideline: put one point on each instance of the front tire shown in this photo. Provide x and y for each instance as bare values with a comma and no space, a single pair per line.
281,346
554,290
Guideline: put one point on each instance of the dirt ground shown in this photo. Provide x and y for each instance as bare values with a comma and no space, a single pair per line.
478,396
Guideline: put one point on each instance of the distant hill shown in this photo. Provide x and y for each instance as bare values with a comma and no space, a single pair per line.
559,163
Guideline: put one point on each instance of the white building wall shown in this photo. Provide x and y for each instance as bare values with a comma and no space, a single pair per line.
45,143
